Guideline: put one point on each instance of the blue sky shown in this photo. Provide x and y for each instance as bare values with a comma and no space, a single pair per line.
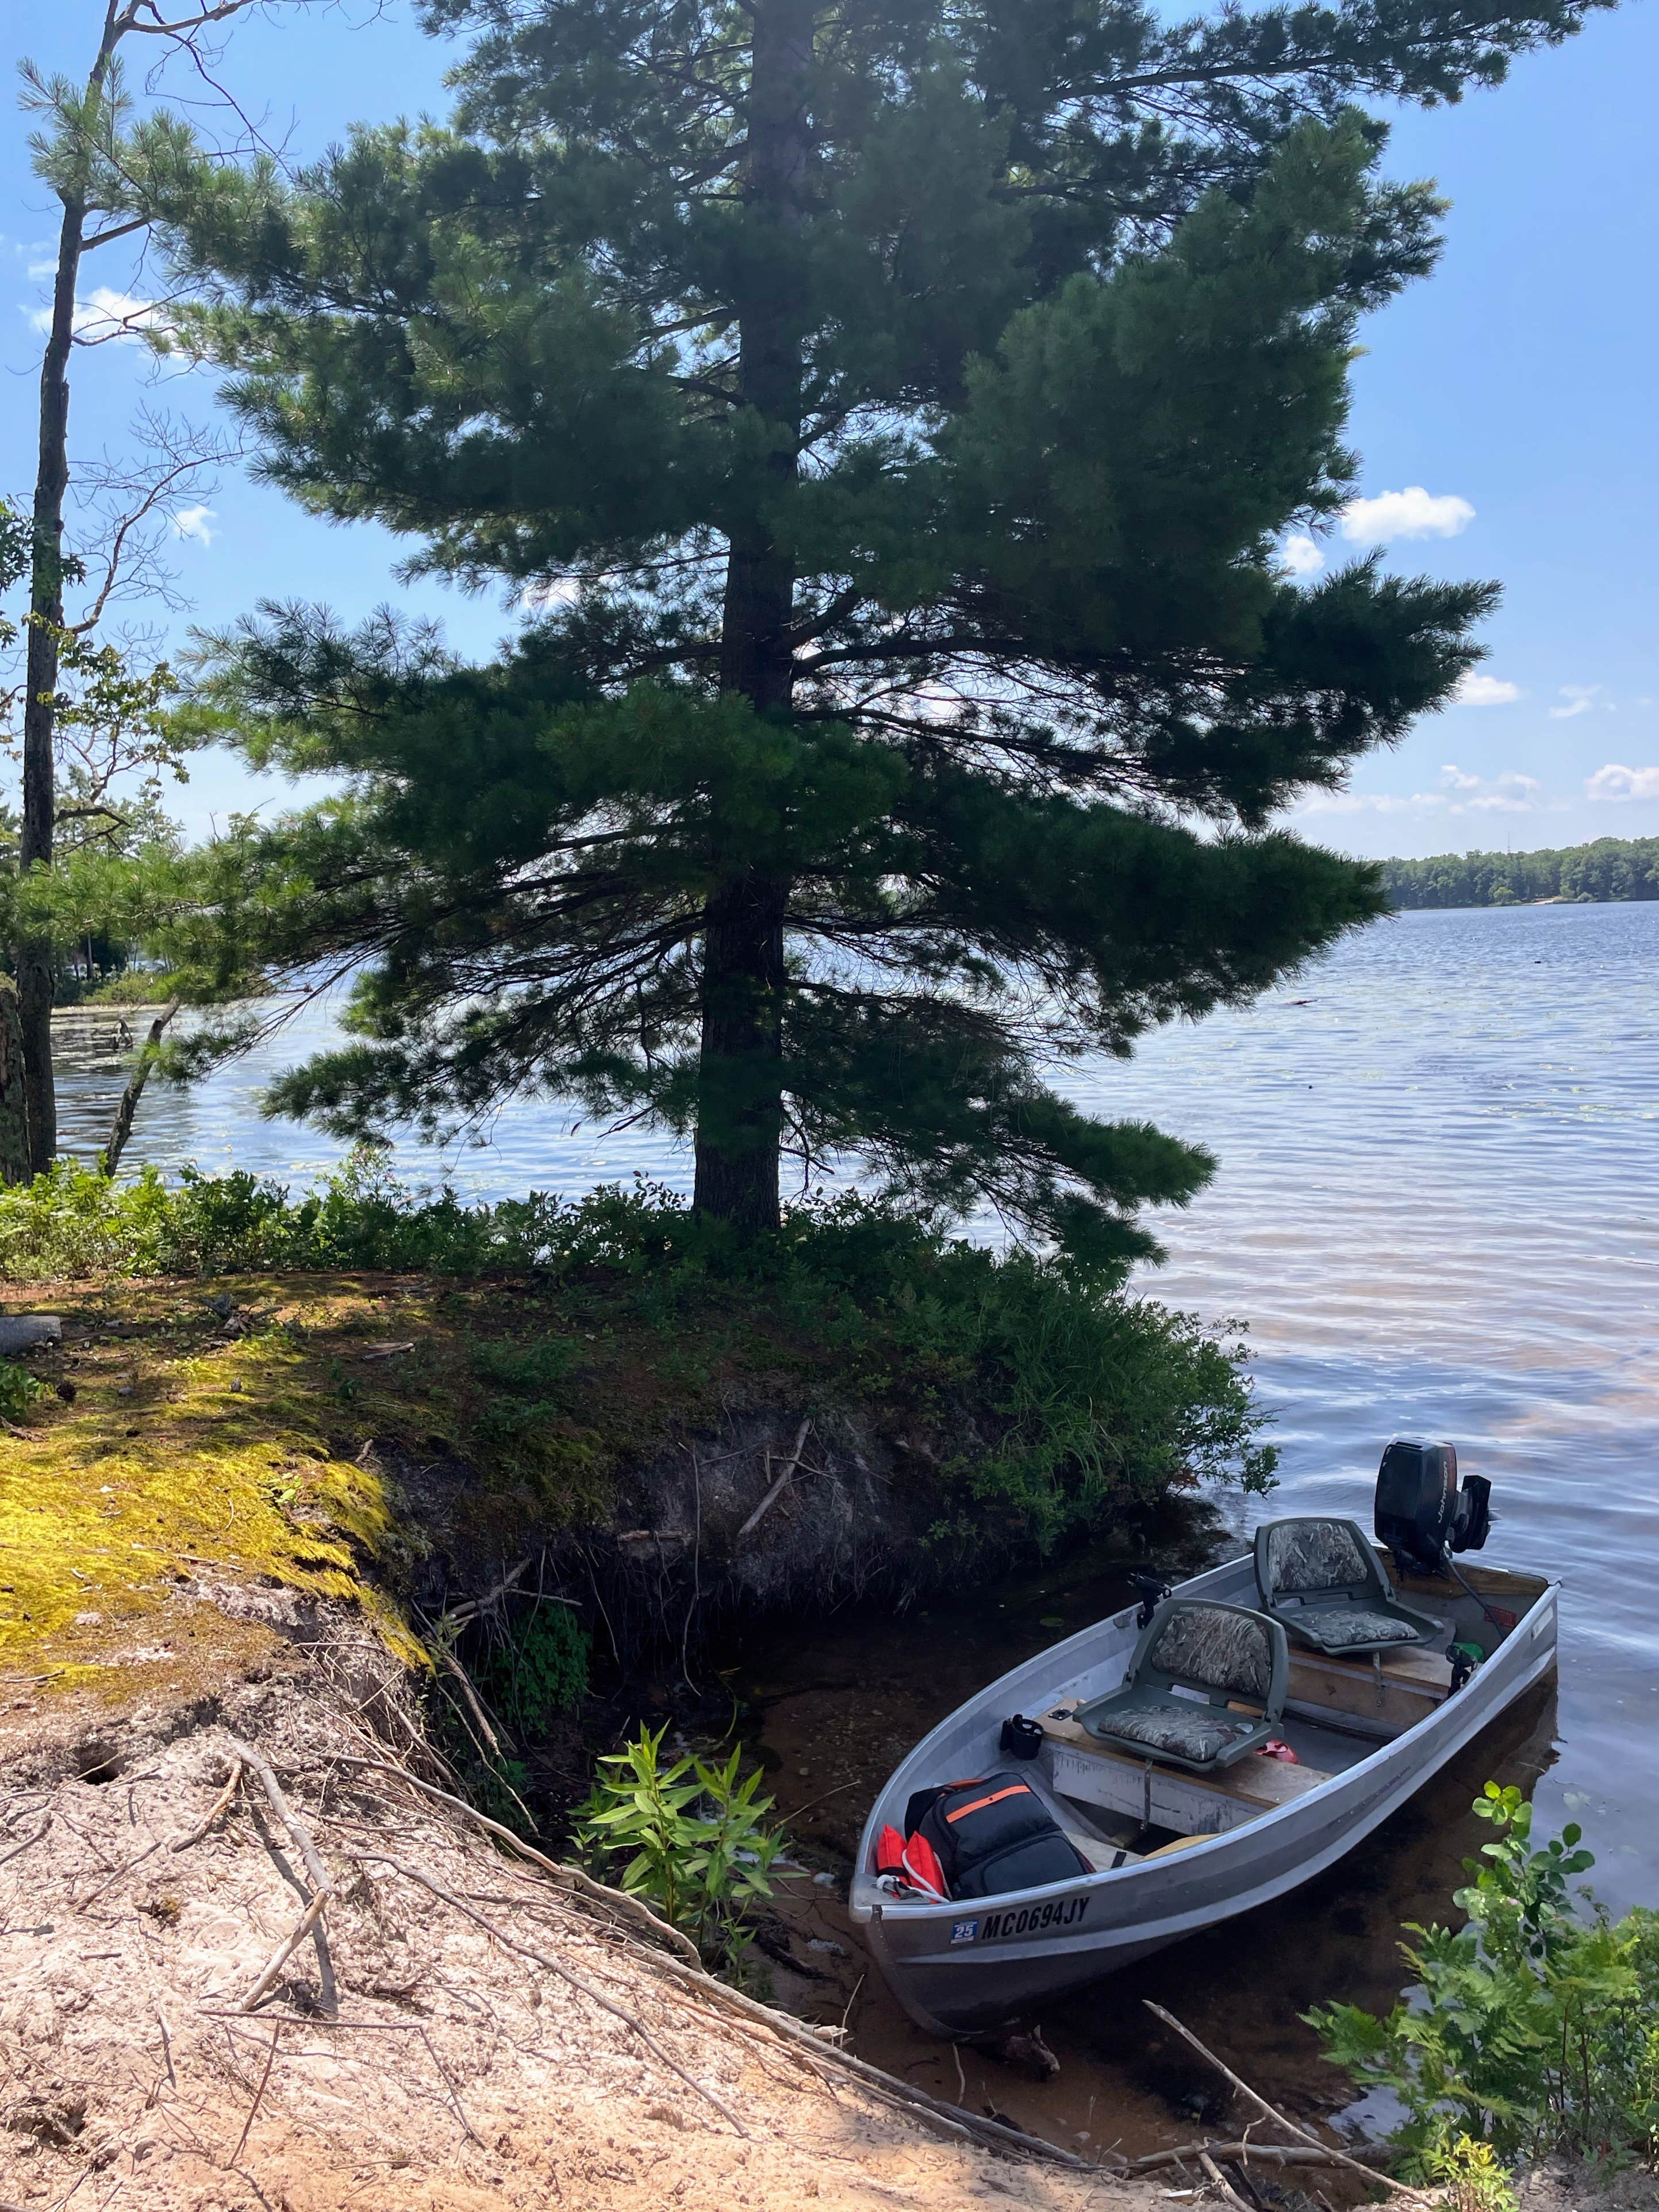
1505,415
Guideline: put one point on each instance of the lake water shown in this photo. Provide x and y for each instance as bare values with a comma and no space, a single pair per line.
1438,1207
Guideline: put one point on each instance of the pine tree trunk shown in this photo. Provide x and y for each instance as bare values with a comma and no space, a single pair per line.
35,957
740,1115
14,1097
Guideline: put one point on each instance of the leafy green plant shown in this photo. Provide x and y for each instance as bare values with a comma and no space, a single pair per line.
1469,2172
699,1846
538,1670
1529,2031
18,1390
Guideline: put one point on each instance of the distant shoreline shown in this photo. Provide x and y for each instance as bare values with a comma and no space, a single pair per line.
1606,871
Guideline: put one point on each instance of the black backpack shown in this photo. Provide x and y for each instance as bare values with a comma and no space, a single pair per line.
991,1836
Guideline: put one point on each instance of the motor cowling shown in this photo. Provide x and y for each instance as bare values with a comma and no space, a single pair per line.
1421,1514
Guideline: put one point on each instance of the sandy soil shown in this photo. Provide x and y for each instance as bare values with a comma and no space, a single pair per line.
409,2060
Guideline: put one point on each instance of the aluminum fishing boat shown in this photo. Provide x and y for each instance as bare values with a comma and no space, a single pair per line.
1168,1775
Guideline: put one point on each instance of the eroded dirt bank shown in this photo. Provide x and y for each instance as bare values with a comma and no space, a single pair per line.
466,2033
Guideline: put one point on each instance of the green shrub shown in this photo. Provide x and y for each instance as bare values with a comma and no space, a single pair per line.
18,1391
1531,2028
537,1670
695,1839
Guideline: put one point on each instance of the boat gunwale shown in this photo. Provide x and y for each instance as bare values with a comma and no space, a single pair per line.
873,1903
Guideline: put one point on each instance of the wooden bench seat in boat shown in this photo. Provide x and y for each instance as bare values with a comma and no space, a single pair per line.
1385,1693
1081,1767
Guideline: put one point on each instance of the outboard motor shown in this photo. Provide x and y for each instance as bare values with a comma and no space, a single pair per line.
1421,1515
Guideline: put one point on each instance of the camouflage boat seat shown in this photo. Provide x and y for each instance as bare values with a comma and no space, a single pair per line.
1229,1656
1323,1581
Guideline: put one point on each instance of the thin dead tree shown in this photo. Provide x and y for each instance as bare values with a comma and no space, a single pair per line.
84,152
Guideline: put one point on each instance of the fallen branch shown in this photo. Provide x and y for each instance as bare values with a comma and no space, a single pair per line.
475,1703
553,1965
17,1849
471,1607
584,1884
270,2059
778,1488
321,1888
1227,2193
284,1812
1336,2157
280,1957
1245,2152
184,1842
125,1112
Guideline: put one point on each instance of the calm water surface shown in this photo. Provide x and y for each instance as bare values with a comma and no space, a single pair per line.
1437,1208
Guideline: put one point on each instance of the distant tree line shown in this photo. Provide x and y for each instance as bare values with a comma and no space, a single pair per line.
1610,868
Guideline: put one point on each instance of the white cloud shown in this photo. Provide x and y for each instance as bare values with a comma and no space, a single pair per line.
559,592
196,522
1616,781
1412,513
1299,556
1475,690
104,314
1580,698
1459,792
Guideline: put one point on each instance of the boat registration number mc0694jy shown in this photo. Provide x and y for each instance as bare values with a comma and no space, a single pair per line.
1020,1920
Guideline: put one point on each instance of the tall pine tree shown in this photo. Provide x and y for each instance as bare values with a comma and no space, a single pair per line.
884,414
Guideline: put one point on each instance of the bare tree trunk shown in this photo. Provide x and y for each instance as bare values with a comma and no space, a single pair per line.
35,988
14,1096
124,1113
35,957
740,1105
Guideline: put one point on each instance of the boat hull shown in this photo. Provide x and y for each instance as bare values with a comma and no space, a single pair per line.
982,1963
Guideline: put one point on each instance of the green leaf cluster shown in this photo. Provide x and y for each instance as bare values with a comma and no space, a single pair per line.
695,1837
536,1669
18,1390
1531,2029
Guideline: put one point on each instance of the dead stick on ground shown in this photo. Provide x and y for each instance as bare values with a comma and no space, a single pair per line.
1229,2194
109,1880
270,2059
584,1884
17,1849
467,2128
557,1966
257,1763
1337,2157
184,1842
284,1812
779,1486
459,1616
1245,2152
475,1703
285,1950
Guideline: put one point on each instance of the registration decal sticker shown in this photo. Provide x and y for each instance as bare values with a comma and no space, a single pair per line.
1034,1919
963,1931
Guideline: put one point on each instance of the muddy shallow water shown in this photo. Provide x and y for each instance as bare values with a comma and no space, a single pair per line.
834,1707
